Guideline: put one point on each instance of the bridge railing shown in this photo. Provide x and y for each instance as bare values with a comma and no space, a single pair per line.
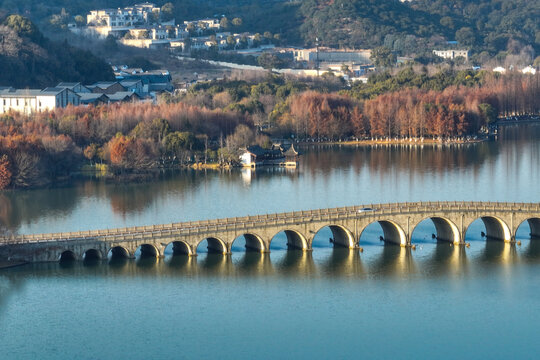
255,220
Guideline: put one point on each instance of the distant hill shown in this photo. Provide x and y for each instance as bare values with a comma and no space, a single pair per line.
363,23
493,26
28,59
481,25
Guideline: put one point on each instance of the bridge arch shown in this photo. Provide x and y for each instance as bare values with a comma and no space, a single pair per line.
341,236
446,229
92,254
295,239
119,252
392,232
215,245
148,250
496,228
67,255
180,247
253,242
534,226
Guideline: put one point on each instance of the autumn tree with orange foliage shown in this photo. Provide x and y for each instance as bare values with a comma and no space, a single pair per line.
5,172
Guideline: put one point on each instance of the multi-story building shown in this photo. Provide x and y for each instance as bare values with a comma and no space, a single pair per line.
452,54
28,101
333,56
130,16
115,21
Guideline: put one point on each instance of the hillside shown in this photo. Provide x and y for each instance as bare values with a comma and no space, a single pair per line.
485,25
488,24
363,23
28,59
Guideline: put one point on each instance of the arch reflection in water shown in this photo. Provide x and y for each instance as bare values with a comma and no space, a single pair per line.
294,263
252,263
442,257
216,264
342,261
394,260
498,252
532,252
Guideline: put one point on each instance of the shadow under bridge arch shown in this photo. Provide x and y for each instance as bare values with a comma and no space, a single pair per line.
496,229
392,232
295,239
178,247
341,236
445,229
534,225
214,245
252,242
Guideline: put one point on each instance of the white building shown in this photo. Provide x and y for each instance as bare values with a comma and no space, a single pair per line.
28,101
130,16
528,70
116,21
333,56
452,54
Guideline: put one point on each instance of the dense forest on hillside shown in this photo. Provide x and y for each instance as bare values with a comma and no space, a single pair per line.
28,59
486,25
492,25
363,23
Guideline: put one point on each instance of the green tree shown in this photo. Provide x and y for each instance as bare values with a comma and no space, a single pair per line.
269,61
24,27
383,57
489,113
465,36
167,11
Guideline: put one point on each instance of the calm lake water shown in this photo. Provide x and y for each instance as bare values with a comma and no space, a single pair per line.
436,301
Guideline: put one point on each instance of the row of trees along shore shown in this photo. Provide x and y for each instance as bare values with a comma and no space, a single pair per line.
141,137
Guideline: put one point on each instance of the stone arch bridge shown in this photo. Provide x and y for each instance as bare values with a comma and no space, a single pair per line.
398,221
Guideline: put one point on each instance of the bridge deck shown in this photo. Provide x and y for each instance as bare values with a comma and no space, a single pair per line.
248,222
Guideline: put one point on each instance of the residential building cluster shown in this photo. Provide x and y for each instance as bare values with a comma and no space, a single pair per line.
141,26
131,85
